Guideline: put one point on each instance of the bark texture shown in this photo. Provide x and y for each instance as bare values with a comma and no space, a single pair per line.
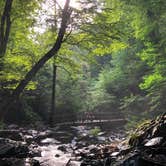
5,26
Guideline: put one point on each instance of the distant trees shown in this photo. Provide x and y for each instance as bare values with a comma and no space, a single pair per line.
133,79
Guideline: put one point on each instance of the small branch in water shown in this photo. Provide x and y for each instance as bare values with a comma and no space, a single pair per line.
67,164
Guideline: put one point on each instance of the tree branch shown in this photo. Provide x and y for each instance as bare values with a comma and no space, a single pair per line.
53,51
66,37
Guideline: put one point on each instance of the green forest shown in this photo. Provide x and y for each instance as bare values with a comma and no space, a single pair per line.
67,64
106,55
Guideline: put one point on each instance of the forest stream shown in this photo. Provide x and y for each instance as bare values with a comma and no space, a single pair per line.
59,146
84,146
94,70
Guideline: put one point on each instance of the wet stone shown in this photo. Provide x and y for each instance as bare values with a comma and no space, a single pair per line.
49,141
63,148
11,150
28,138
11,134
154,141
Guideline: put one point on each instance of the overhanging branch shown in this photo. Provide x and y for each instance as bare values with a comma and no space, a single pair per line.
53,51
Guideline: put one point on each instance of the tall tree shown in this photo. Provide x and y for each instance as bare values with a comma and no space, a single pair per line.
54,77
53,51
53,98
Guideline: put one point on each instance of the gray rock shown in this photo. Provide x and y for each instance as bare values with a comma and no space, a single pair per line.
154,141
13,149
49,141
11,134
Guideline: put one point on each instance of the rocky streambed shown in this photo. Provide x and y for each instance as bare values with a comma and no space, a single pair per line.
84,146
53,146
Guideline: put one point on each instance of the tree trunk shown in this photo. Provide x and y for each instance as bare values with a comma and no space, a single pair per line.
53,51
53,99
5,27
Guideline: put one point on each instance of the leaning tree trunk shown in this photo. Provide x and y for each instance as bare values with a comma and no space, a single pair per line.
53,51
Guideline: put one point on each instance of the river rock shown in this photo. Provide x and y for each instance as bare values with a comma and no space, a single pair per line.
10,148
11,134
49,141
154,141
63,148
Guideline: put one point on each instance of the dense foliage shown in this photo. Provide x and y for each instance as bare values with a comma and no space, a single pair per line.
112,59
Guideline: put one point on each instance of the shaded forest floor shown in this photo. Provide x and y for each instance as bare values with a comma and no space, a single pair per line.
84,146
